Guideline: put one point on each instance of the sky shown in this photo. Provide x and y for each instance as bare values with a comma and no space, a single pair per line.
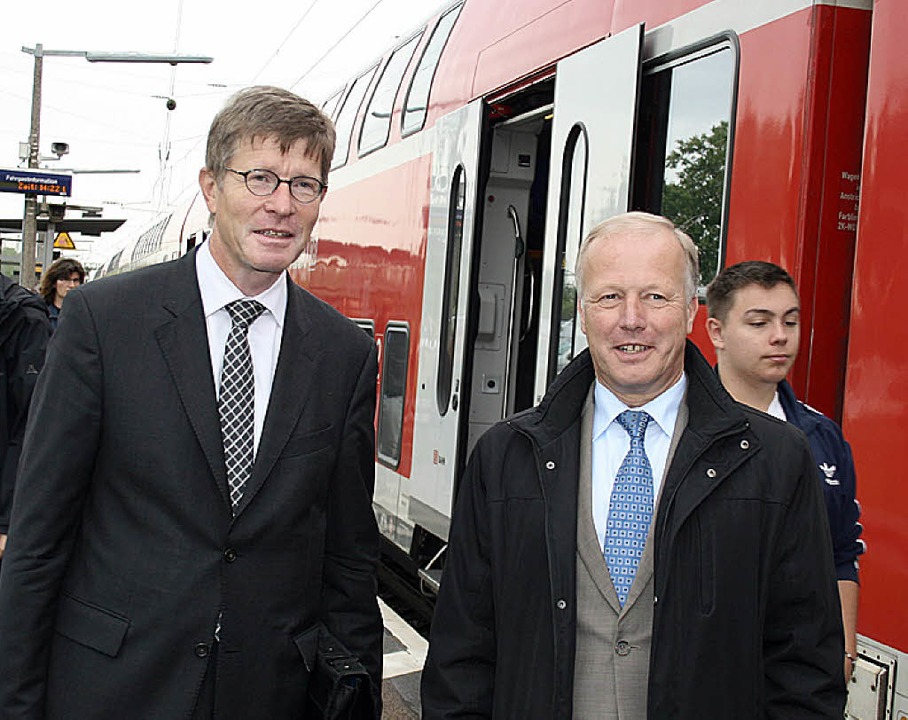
115,116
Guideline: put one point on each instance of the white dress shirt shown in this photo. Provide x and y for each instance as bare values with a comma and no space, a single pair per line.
264,334
611,443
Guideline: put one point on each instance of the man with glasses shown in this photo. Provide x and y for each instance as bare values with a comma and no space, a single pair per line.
182,536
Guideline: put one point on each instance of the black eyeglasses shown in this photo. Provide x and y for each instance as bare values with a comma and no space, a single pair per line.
265,182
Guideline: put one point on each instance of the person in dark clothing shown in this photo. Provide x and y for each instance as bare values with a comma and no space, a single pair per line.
692,578
24,332
754,325
198,522
61,277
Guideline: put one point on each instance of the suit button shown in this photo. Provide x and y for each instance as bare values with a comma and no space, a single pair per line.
622,647
201,650
230,555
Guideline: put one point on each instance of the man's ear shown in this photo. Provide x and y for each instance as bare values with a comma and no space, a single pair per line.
693,307
714,329
209,187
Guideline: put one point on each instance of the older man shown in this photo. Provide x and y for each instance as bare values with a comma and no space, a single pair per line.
181,533
639,545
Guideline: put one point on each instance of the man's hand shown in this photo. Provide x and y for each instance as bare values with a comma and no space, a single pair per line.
2,545
849,667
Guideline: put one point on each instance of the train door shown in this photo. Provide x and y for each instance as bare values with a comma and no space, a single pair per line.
446,308
514,187
507,257
590,179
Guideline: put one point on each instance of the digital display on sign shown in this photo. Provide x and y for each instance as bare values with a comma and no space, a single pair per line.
35,182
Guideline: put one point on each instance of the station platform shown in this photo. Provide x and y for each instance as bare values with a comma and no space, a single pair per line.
404,656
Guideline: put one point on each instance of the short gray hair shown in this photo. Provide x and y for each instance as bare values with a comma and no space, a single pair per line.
642,223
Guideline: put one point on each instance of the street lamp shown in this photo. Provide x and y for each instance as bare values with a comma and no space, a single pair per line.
30,218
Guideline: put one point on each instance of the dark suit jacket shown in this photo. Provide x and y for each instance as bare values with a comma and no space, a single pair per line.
123,550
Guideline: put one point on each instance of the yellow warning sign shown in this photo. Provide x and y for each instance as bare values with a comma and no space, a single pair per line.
64,242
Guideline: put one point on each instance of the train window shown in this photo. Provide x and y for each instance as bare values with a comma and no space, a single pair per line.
150,240
377,121
115,262
684,153
344,123
570,234
414,115
330,106
450,292
393,389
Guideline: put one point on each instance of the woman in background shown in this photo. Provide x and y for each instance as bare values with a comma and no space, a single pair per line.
61,277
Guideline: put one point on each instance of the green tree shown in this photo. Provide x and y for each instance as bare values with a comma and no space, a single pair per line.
693,198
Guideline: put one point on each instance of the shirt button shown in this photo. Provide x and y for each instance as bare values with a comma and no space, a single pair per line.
230,555
711,473
622,647
745,444
550,465
201,650
561,604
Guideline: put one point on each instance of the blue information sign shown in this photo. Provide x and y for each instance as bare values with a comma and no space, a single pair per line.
35,182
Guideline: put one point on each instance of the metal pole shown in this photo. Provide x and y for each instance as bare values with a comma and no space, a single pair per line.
30,219
48,246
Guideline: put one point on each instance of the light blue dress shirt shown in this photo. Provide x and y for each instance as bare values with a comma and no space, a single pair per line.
611,442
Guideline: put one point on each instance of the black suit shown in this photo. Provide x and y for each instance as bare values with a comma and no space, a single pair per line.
123,550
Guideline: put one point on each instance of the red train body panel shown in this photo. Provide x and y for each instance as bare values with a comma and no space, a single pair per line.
876,398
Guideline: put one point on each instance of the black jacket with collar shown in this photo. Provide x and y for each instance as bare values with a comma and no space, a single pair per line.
746,622
24,333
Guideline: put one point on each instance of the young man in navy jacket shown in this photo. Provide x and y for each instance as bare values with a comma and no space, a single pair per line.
754,325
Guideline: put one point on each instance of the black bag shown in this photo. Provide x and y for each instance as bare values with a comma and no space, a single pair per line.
339,686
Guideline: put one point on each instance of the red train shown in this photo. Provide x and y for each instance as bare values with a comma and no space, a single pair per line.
474,155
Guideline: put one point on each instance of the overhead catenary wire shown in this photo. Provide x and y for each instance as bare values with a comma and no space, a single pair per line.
286,39
334,46
283,42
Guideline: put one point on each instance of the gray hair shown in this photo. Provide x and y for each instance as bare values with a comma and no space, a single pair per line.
642,223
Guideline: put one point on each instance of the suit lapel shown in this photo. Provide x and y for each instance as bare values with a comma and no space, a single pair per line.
647,565
183,340
587,541
290,391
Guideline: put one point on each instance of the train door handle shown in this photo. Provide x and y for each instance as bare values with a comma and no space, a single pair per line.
519,245
531,273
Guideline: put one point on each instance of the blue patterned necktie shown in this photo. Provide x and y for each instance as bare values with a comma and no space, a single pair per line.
631,507
236,403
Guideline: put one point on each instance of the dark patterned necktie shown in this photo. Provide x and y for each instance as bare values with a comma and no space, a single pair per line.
236,403
631,507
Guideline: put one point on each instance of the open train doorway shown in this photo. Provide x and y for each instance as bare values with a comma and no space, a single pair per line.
508,255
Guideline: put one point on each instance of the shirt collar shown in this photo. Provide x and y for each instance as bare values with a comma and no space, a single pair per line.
663,409
217,290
